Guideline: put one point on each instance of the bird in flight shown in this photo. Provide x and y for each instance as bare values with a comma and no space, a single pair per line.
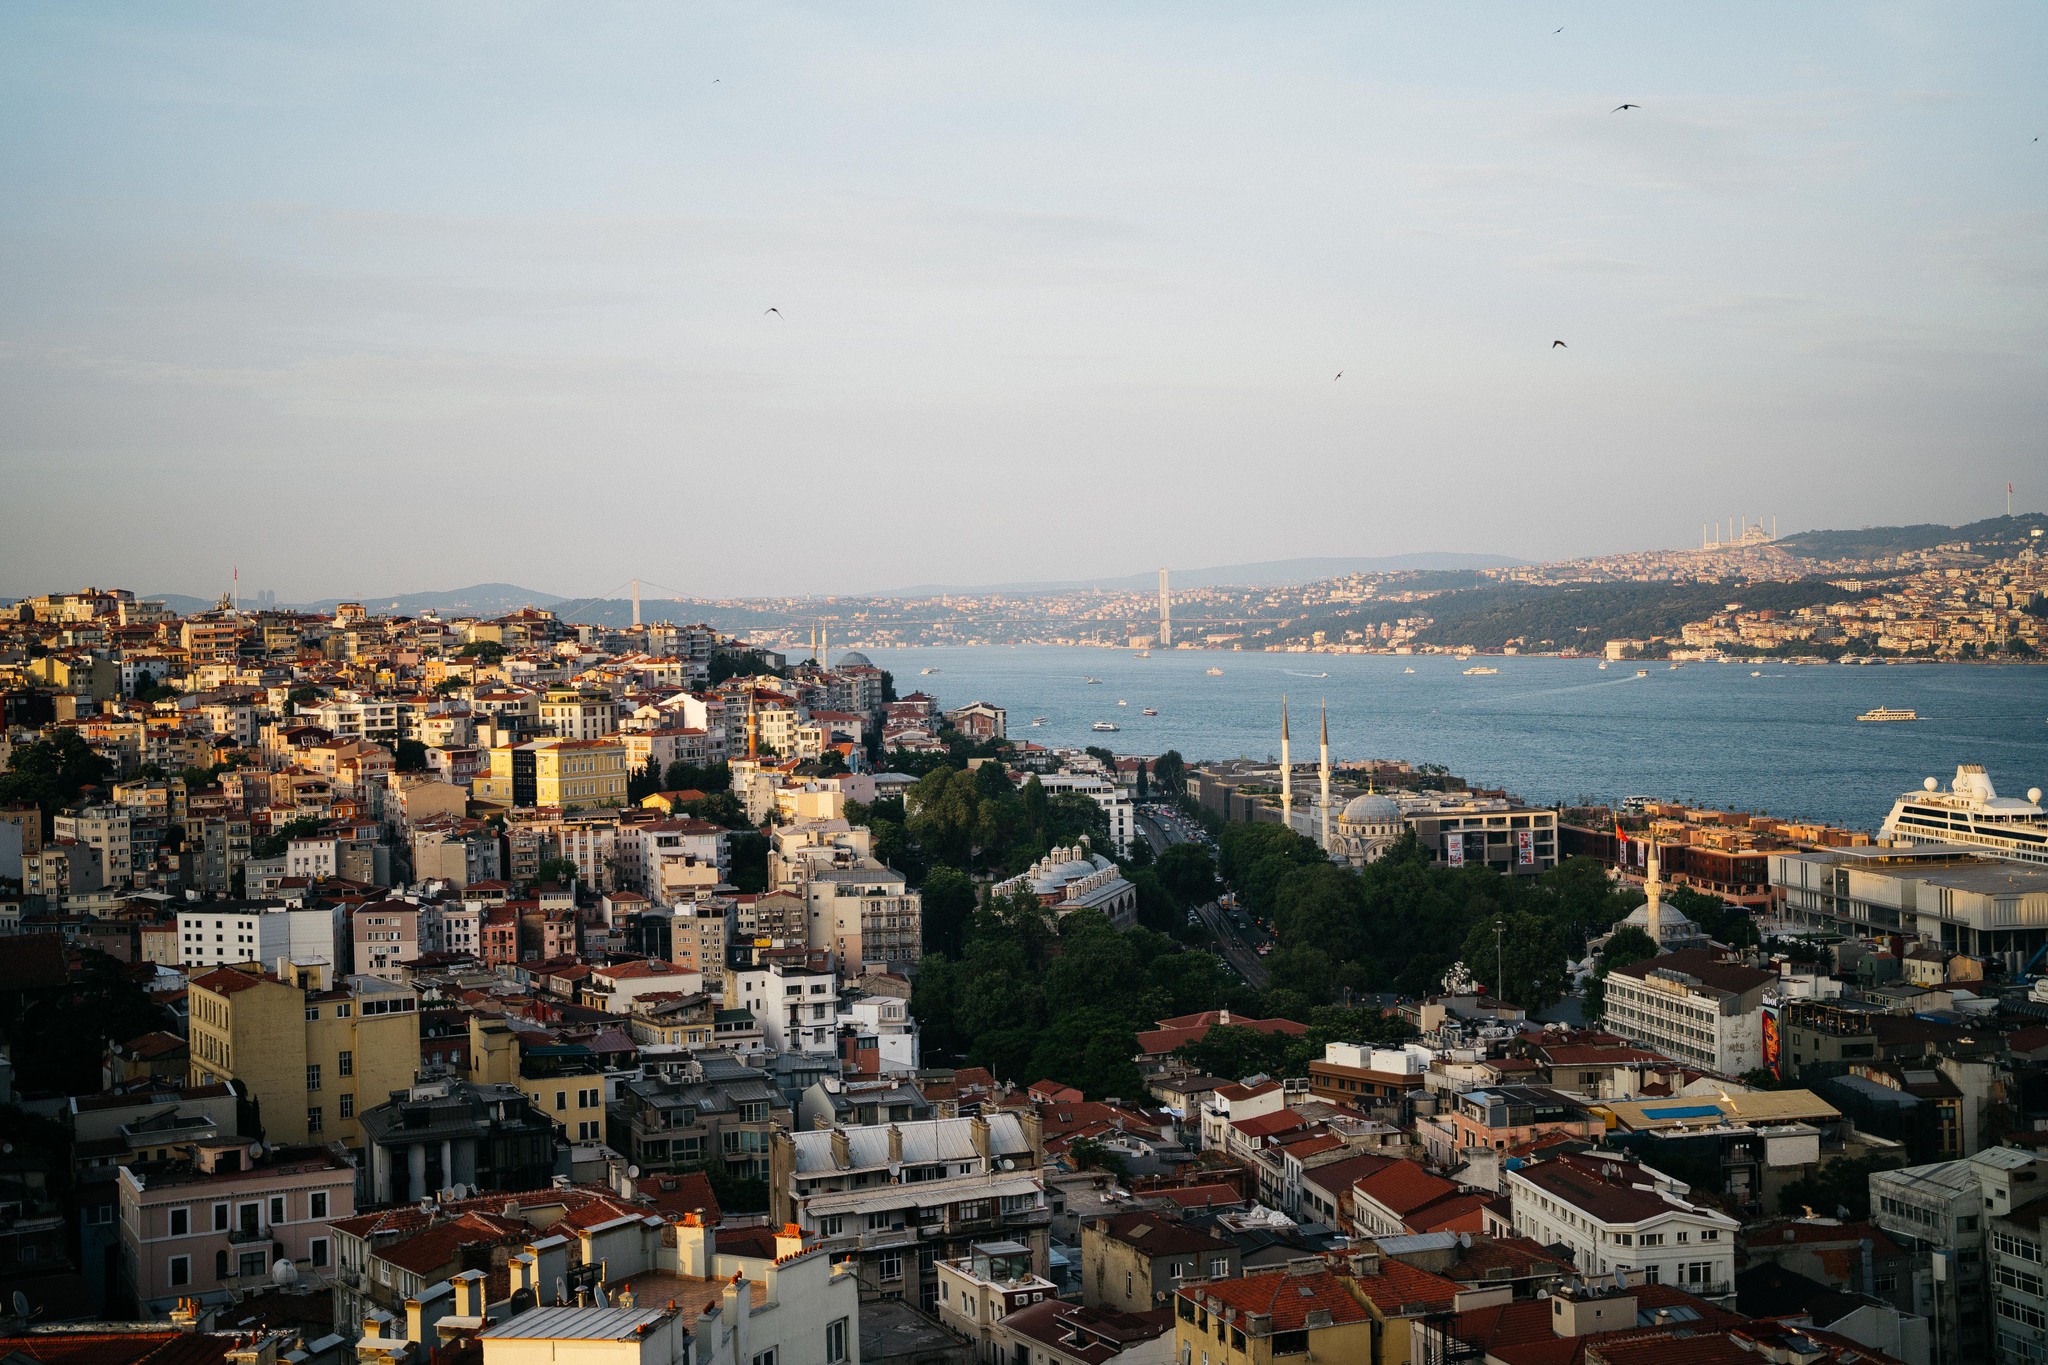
776,311
1555,344
1340,375
1619,107
1557,30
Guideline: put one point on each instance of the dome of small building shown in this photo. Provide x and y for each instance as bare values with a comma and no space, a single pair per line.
1371,809
853,658
1075,870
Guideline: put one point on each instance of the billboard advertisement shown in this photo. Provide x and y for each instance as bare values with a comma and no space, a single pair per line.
1773,1048
1454,849
1525,847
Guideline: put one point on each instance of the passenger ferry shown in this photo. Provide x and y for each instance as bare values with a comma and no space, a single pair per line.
1972,812
1480,671
1104,727
1149,711
1883,713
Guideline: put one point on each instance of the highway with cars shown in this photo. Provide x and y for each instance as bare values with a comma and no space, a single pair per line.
1239,938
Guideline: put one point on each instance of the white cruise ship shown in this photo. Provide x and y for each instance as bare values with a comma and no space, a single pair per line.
1971,812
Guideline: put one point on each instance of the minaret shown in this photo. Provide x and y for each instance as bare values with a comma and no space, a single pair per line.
1323,769
1654,888
1286,770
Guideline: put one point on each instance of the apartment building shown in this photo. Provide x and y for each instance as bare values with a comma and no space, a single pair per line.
671,860
304,1050
1113,798
427,1137
1616,1214
224,933
797,1007
109,831
727,1112
1940,1212
1692,1006
978,1291
571,774
895,1200
1133,1262
572,713
385,934
203,1227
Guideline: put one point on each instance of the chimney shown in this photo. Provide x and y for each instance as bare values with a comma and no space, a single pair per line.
468,1287
185,1317
789,1241
693,1247
734,1310
977,1132
895,1145
525,1271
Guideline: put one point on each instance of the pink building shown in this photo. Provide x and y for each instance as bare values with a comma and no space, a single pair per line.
197,1228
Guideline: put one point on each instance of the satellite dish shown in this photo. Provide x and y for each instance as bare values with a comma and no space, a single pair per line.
1620,1278
2034,795
597,1297
561,1290
1929,785
1009,1165
284,1273
21,1308
255,1151
632,1173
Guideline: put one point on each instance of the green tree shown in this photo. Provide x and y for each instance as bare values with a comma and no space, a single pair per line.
559,871
948,906
274,844
1840,1188
410,756
644,782
1531,952
51,773
749,857
59,1041
686,777
1170,775
303,695
1628,945
485,652
1232,1052
1188,873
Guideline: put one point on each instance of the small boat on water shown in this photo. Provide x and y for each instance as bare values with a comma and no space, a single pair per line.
1756,672
1410,670
1886,713
1480,671
1121,702
1093,682
1642,673
1149,711
1215,672
1676,667
1603,665
1143,654
1038,720
926,672
1105,727
1292,674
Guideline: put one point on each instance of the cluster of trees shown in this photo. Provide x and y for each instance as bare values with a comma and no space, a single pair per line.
1233,1051
59,1041
1032,1000
52,773
1401,924
274,844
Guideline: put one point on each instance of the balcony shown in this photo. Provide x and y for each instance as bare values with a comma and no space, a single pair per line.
245,1236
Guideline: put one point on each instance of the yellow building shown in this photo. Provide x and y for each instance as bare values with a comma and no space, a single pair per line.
571,774
566,1087
311,1056
1360,1310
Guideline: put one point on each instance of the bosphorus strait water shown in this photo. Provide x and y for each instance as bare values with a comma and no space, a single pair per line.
1785,741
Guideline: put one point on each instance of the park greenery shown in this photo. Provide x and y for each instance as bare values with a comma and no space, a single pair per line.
52,773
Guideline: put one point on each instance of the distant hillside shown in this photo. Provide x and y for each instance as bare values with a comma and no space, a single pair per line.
481,599
1270,573
1879,542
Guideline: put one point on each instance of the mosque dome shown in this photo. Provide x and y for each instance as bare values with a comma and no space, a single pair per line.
1371,809
853,658
1075,870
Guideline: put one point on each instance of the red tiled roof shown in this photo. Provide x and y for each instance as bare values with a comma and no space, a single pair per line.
1287,1299
676,1195
1399,1286
167,1347
1404,1186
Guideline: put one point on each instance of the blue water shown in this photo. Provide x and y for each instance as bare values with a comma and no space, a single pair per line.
1787,743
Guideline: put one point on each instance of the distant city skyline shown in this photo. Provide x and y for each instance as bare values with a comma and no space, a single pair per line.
411,299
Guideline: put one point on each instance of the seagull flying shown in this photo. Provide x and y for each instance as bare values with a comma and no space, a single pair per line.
1340,375
1619,107
1555,344
1557,30
776,311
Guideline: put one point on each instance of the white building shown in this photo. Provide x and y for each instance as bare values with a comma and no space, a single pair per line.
979,1290
229,932
1617,1214
883,1025
797,1008
665,853
1115,802
1692,1007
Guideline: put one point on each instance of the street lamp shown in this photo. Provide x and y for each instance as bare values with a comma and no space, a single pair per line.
1500,978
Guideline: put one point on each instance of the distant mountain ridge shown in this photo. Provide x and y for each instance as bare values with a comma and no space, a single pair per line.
1880,542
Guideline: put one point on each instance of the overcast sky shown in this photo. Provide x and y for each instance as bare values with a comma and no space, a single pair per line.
370,299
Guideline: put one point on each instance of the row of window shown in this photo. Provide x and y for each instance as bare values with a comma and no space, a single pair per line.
179,1219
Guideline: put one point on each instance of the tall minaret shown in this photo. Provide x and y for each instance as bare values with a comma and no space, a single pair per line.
1323,769
1654,889
1286,770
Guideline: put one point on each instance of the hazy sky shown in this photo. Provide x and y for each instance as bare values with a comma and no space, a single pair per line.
371,299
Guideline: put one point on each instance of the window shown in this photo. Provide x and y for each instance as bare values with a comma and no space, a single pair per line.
829,1227
312,1013
316,1204
835,1341
313,1076
1219,1267
314,1122
316,1250
348,1106
179,1271
766,1357
891,1265
276,1209
1127,1284
345,1065
181,1222
220,1217
1710,1234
